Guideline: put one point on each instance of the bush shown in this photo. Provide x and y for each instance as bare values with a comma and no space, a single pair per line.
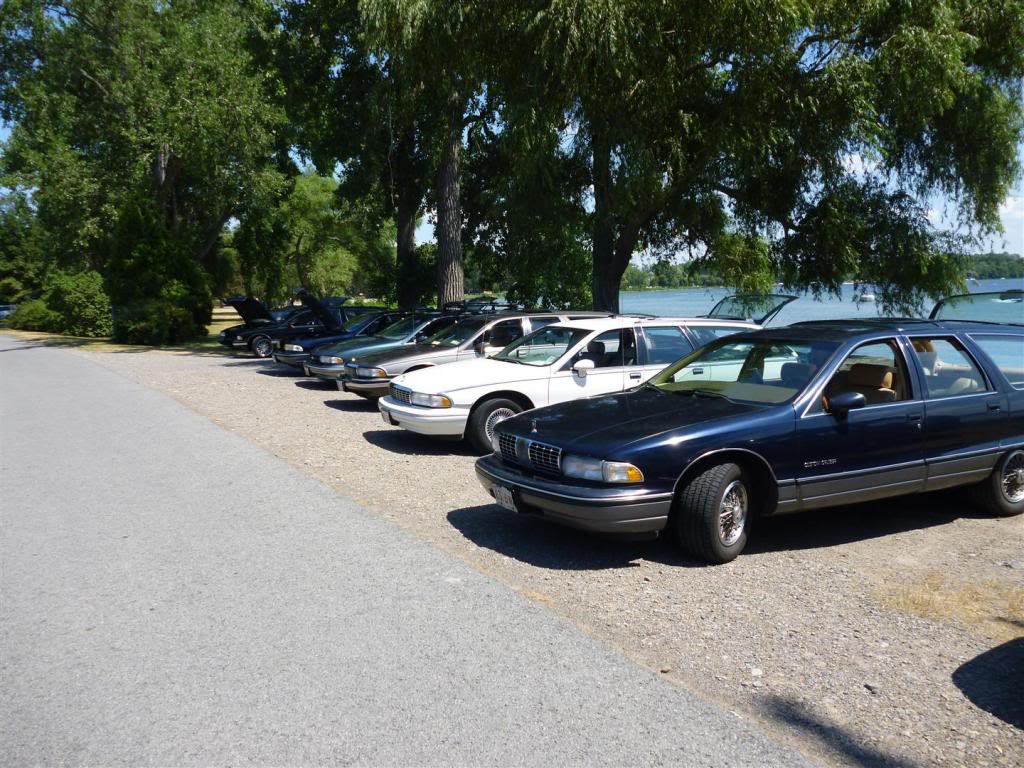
155,321
34,315
82,304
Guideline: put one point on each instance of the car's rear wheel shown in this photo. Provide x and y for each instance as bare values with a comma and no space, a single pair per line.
1002,493
712,513
261,346
485,418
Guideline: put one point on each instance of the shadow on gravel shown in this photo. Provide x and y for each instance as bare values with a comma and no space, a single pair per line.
411,444
281,372
544,545
994,681
317,385
795,715
844,525
547,545
351,406
245,363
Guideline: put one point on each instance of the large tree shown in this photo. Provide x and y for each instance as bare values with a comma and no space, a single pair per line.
828,128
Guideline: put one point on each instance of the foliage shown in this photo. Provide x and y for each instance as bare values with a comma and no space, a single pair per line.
34,315
81,303
993,265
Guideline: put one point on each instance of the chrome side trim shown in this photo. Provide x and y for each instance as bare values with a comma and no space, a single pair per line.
705,455
857,472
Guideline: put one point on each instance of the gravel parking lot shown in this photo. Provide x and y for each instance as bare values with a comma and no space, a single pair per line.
887,634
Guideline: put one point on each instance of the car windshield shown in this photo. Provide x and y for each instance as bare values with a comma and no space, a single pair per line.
401,330
542,347
460,331
765,371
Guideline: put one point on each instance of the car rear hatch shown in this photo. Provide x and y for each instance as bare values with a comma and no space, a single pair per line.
753,308
990,307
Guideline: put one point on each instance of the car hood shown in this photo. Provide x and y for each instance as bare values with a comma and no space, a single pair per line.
468,374
250,310
321,310
619,419
358,346
408,354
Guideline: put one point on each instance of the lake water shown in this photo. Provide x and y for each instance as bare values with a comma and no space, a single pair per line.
687,302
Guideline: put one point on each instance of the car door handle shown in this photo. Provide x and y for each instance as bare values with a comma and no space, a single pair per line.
698,371
634,375
994,406
913,417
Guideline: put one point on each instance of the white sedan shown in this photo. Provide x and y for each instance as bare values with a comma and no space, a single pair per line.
560,362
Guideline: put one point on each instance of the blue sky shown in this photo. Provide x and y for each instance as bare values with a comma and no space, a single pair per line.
1011,213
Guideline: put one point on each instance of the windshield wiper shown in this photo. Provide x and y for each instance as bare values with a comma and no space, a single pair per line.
710,393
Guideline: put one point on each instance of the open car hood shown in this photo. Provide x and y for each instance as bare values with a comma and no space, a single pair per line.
252,311
320,309
994,307
756,308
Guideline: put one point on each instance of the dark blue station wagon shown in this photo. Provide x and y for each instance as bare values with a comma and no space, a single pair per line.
798,418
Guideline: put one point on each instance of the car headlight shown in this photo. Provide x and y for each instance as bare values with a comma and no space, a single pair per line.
585,468
332,360
223,335
293,348
430,401
371,373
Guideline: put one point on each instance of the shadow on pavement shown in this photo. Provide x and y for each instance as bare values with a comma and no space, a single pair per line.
532,540
279,372
410,444
994,681
793,714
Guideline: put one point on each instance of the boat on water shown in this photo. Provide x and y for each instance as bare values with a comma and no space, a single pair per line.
865,298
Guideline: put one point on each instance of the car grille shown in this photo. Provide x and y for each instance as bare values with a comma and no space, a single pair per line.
401,395
539,456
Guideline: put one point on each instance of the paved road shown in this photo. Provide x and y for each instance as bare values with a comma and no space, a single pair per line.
171,594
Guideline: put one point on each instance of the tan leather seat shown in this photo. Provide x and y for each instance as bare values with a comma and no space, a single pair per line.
872,381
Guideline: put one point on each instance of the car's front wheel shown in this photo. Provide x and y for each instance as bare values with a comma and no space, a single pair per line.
1003,492
712,513
261,346
485,418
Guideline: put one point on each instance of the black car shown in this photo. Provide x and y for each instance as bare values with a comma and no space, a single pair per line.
803,417
259,334
295,352
254,314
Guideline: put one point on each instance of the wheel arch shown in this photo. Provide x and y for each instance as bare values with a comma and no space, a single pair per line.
752,462
516,397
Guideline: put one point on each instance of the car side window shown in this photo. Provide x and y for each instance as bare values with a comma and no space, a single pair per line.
876,370
504,333
705,334
303,318
540,322
611,349
1007,352
665,344
948,369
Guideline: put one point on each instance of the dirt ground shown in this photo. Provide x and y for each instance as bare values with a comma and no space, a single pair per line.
882,634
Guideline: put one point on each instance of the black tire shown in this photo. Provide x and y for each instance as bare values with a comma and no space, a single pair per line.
698,518
1002,493
261,346
484,417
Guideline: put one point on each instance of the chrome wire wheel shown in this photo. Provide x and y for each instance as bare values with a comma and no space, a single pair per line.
262,347
732,513
497,416
1012,479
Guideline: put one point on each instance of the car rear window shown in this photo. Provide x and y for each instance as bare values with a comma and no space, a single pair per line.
705,334
1007,352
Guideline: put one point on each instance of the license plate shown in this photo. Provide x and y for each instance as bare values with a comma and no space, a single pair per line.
305,369
341,385
504,497
387,418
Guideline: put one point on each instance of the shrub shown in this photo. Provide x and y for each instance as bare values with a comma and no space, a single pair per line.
154,321
82,304
34,315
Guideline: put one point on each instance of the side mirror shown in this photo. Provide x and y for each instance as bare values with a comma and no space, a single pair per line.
581,367
843,403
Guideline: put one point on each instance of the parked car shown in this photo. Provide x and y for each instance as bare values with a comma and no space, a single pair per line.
295,352
6,310
315,314
472,334
798,418
328,363
562,361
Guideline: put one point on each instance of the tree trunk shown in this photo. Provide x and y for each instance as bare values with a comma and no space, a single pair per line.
450,278
604,282
405,218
